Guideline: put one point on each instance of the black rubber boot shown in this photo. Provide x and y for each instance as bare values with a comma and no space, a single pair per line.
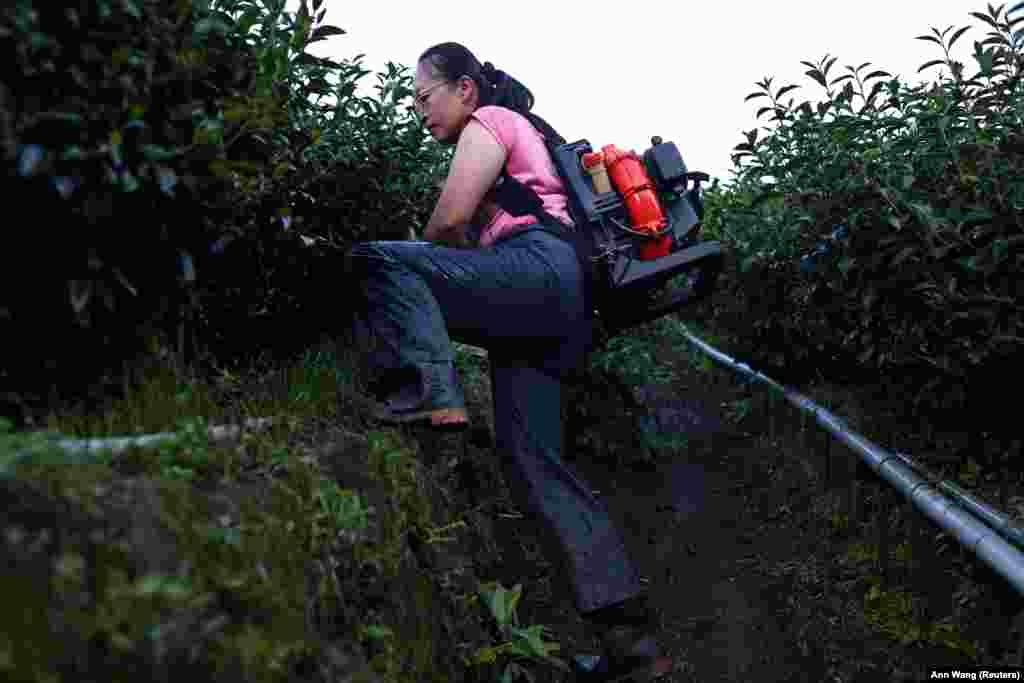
627,652
436,399
629,646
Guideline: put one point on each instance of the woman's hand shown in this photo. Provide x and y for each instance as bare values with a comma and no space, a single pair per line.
485,212
455,236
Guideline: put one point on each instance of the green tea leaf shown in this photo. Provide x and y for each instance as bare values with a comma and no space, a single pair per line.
513,600
129,183
164,585
978,214
1000,248
924,213
877,74
500,605
210,25
967,262
489,594
902,256
934,62
324,32
378,632
786,89
988,20
956,35
816,75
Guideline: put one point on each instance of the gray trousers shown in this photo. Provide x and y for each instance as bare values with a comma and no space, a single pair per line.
520,300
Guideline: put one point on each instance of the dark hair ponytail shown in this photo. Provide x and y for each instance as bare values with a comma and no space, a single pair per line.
451,61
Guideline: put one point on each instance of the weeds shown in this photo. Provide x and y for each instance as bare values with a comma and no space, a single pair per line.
739,409
520,644
893,613
157,397
652,440
346,509
633,356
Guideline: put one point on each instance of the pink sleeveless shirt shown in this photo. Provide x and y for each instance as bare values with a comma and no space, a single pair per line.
528,162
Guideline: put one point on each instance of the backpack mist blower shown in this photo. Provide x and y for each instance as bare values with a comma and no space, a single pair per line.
636,226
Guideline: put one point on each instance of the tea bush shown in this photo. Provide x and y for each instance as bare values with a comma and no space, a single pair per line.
189,173
928,181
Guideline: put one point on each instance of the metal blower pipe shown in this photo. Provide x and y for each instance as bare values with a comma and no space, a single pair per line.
971,532
89,451
996,519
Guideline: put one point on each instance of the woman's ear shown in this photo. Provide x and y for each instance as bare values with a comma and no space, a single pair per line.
466,87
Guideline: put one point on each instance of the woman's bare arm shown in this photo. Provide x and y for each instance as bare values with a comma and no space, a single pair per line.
477,163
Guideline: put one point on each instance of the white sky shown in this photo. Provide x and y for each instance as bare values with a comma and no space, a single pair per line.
618,73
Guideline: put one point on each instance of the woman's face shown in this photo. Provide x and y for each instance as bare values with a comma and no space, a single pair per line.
443,106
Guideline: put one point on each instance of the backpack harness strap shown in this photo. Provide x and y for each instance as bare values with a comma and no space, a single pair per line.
518,199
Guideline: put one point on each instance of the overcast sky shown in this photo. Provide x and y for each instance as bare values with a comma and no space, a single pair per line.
614,72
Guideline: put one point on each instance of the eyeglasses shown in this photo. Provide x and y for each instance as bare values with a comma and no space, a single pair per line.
420,101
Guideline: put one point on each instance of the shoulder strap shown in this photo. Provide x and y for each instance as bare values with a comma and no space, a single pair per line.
519,199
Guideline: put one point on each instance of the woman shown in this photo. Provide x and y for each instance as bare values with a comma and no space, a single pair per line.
487,278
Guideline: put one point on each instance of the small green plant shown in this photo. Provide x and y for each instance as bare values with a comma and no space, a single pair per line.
279,456
188,456
677,333
179,472
317,378
230,536
343,507
377,632
669,442
521,644
740,409
697,359
632,356
840,521
892,613
468,362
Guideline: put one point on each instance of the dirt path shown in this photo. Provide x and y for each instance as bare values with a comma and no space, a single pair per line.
704,526
697,531
696,527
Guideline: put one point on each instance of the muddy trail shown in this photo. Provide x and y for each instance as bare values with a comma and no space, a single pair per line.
702,525
733,532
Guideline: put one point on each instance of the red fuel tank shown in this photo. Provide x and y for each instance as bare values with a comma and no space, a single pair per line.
630,179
